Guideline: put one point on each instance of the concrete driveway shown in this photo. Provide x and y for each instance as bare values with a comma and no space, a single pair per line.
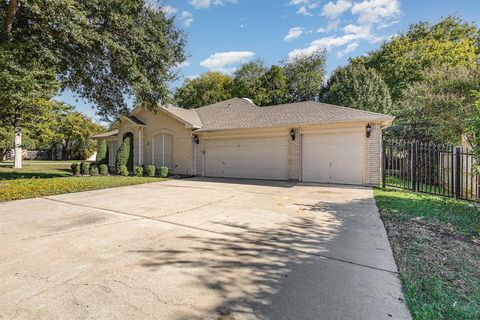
199,249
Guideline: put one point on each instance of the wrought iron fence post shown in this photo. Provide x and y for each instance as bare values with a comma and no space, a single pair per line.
384,163
458,171
413,161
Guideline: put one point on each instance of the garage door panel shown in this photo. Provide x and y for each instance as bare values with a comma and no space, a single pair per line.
332,158
255,158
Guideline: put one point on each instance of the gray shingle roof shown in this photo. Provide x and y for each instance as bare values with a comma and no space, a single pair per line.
105,134
238,113
187,115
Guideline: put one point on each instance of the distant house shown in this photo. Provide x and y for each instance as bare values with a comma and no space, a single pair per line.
306,141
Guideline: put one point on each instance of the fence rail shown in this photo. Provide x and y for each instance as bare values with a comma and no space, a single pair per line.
431,168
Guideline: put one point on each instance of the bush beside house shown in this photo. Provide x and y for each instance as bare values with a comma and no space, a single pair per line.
102,153
125,155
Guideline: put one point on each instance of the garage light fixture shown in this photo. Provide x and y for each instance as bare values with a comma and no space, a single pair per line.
196,139
368,130
292,134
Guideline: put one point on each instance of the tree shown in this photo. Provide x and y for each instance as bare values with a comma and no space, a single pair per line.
248,82
210,87
305,76
105,51
275,86
474,127
449,43
439,107
102,152
357,87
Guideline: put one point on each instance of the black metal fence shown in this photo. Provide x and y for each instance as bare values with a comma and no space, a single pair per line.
431,168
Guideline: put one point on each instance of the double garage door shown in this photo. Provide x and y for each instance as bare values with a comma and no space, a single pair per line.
325,157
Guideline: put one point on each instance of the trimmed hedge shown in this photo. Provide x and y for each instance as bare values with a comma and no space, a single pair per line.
163,172
103,169
75,167
85,168
125,154
102,153
123,170
138,171
94,170
150,171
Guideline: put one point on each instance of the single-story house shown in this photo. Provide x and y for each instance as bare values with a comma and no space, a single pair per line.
305,141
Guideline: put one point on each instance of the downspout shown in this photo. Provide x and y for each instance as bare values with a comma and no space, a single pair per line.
194,155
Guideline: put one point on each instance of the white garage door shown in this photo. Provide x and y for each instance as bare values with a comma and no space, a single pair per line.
332,158
254,158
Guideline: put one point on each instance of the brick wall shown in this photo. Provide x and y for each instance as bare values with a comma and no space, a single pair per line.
373,157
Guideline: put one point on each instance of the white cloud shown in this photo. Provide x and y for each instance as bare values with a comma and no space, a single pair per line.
205,4
349,49
223,61
183,64
321,30
305,6
187,18
352,35
333,10
293,33
376,11
169,10
333,25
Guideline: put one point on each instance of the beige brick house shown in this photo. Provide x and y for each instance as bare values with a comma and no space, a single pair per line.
306,141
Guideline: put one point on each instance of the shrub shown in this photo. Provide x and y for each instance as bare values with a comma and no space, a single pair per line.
163,172
151,171
94,170
103,170
123,170
102,153
138,171
75,169
85,168
125,154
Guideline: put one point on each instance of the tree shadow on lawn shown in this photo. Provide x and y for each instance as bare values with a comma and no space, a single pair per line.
246,266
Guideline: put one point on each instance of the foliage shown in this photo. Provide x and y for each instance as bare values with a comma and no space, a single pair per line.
275,87
35,169
163,172
248,82
105,51
93,170
474,127
84,167
357,87
30,188
123,170
103,169
433,241
402,61
151,171
210,87
439,107
125,154
304,75
75,168
102,152
138,170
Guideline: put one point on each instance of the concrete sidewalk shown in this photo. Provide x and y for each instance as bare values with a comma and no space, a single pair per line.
199,249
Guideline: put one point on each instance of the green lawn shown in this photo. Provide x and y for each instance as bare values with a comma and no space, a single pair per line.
44,178
436,245
36,169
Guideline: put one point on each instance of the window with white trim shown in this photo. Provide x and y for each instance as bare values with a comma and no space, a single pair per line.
163,150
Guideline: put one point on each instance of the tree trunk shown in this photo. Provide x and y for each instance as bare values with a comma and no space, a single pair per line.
17,129
10,16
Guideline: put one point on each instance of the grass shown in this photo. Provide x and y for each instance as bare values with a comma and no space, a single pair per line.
436,245
36,169
45,178
30,188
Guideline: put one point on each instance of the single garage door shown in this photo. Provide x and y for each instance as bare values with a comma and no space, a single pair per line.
252,157
332,158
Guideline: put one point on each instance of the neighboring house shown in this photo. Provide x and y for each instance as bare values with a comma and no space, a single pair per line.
306,141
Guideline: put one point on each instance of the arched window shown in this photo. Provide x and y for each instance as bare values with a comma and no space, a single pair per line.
163,150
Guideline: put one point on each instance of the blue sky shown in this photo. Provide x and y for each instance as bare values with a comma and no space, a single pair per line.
222,34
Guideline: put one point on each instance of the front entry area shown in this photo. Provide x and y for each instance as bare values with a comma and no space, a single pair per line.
332,157
263,157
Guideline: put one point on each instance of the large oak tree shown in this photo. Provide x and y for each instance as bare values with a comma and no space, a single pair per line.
108,52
